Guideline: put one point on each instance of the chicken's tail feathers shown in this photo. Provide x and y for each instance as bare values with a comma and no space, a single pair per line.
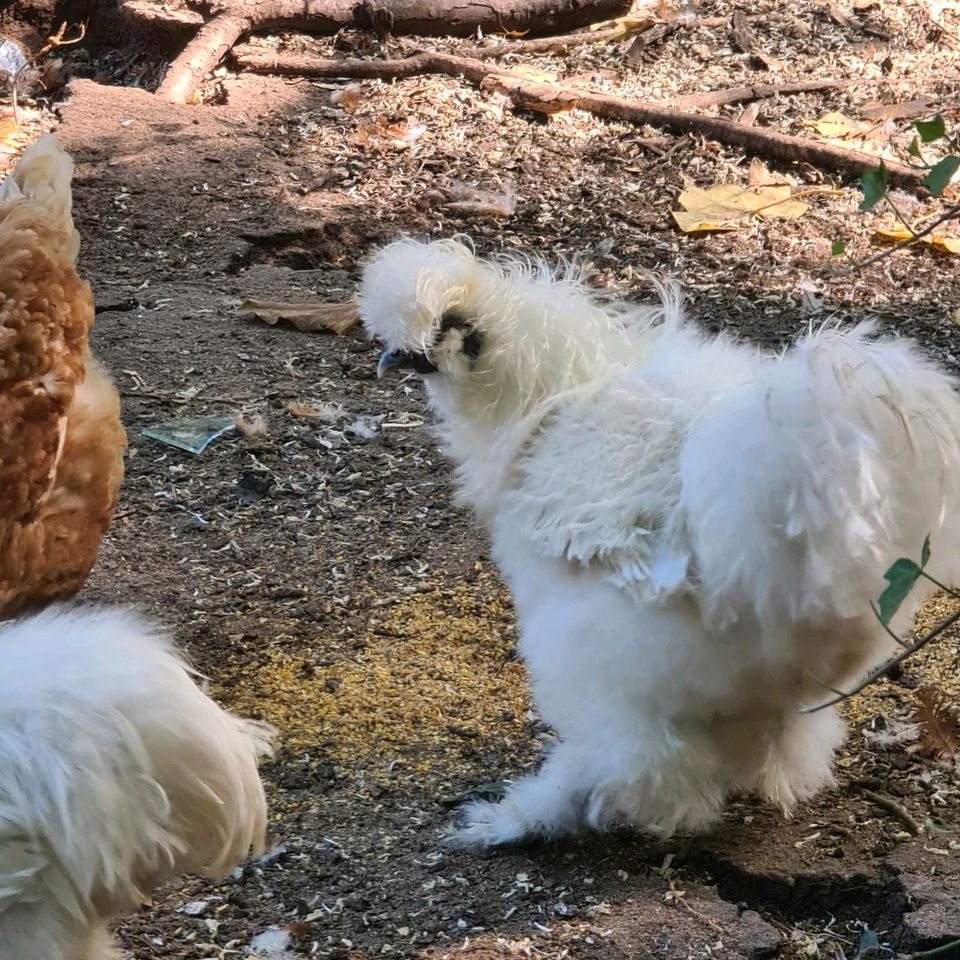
116,770
802,487
43,177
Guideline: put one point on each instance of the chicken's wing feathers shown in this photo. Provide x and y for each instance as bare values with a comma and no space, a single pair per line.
41,181
800,488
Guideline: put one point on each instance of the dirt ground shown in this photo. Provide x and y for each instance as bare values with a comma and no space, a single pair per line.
320,574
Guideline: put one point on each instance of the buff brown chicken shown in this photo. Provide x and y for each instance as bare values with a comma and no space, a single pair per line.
61,441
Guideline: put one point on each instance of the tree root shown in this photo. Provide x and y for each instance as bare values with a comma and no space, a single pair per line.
553,97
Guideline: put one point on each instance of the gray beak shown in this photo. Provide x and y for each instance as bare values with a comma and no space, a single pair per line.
400,359
389,360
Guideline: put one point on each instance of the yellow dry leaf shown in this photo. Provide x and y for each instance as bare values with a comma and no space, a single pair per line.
834,125
625,26
535,73
938,241
724,206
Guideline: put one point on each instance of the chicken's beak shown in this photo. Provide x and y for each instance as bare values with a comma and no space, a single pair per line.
400,359
389,360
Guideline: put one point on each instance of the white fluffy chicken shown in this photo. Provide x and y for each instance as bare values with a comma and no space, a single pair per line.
692,531
116,773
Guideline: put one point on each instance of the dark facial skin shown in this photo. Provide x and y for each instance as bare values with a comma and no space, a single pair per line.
420,363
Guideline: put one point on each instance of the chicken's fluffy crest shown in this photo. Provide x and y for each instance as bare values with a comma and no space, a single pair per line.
546,331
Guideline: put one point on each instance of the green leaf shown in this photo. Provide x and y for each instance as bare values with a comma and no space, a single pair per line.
837,247
901,577
940,175
931,130
874,186
925,552
914,148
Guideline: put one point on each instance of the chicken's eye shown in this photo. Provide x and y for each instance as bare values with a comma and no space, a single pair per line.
454,320
472,338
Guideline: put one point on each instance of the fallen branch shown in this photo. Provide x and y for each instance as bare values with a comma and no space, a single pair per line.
551,97
759,91
894,809
559,43
214,40
417,17
949,214
887,665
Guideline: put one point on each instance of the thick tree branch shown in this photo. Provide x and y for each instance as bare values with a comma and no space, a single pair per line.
551,97
234,18
213,42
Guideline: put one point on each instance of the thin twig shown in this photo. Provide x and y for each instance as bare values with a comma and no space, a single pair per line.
940,586
679,898
797,196
560,42
893,808
876,674
54,41
899,215
900,642
889,251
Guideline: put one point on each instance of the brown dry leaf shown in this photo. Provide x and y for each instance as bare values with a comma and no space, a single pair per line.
549,98
591,77
908,110
305,410
338,317
939,241
837,126
844,16
725,206
768,62
938,722
380,134
749,116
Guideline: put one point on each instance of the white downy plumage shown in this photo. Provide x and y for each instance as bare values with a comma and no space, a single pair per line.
692,530
116,773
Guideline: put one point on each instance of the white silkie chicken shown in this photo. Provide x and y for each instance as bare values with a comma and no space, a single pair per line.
693,531
116,773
